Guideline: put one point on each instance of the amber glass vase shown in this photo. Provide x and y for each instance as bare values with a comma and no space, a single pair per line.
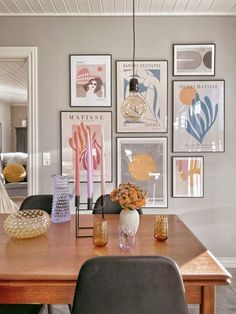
100,233
161,227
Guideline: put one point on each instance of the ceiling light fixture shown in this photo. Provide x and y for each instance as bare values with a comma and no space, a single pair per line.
134,106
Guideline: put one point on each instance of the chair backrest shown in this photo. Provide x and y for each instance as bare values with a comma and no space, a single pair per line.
110,207
130,285
41,201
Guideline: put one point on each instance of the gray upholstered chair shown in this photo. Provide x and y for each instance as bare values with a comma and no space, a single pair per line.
130,285
109,206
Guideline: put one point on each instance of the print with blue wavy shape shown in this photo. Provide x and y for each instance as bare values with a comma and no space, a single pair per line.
201,117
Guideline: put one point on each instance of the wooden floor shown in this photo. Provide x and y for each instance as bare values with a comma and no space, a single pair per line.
226,300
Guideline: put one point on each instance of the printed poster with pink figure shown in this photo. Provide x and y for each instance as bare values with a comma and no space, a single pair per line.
81,122
90,80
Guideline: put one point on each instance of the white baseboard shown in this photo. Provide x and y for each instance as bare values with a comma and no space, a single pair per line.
228,262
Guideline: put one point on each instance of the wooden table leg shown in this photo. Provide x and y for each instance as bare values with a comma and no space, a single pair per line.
208,300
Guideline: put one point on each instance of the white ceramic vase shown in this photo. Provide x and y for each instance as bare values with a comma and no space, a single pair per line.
129,220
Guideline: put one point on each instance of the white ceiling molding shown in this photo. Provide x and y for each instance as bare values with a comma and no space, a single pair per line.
116,7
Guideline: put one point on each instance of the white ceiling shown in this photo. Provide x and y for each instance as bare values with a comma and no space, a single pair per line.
13,74
116,7
13,81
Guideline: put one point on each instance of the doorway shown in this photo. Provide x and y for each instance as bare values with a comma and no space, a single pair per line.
29,54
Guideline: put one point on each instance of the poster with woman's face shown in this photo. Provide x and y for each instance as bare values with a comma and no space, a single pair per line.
90,78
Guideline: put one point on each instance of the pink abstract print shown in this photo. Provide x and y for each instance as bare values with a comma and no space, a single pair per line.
187,170
188,177
78,140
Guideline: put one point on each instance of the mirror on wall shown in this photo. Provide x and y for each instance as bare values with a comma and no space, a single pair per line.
13,125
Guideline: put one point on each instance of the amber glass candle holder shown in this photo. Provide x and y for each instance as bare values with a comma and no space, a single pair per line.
100,233
161,227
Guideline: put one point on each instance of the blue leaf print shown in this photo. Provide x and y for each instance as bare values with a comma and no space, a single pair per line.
216,111
202,123
205,111
201,117
209,106
191,132
195,123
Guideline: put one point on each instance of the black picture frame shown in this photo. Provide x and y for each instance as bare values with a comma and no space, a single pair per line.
194,59
85,68
208,133
190,177
153,87
85,117
156,201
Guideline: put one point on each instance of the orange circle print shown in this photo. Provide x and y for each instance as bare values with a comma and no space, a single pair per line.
187,94
100,68
140,167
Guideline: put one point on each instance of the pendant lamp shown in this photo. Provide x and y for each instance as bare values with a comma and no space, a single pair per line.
134,106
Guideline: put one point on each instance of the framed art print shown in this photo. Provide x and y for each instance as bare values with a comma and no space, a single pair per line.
152,78
90,80
198,116
143,161
187,176
198,59
76,124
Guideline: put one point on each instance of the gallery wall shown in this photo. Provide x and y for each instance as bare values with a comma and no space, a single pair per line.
212,218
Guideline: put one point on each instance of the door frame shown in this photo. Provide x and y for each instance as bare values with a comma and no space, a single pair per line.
31,54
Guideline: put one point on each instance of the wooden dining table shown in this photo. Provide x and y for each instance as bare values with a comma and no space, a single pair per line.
44,269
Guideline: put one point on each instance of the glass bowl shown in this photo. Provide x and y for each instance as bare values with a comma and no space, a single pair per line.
27,223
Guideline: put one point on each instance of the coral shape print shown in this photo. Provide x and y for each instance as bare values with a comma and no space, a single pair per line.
78,142
201,114
187,170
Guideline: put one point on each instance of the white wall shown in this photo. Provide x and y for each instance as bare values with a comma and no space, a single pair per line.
5,119
212,218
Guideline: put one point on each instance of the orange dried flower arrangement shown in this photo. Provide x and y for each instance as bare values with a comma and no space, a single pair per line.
129,196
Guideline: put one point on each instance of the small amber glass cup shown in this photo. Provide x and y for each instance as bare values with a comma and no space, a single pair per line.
100,233
161,227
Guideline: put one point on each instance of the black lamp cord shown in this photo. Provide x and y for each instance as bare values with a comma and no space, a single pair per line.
133,35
